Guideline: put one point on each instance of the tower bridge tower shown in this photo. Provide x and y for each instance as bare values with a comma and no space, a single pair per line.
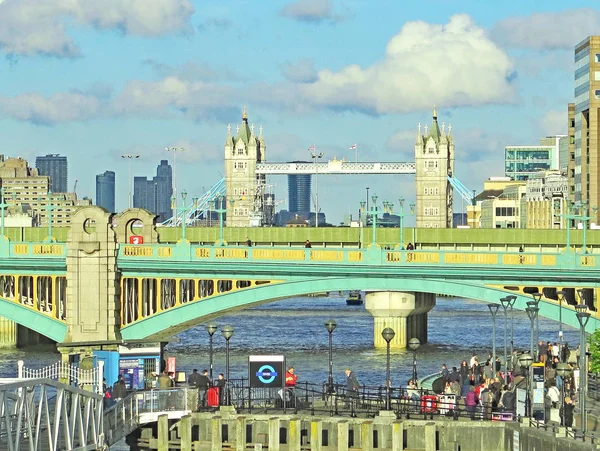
243,186
434,162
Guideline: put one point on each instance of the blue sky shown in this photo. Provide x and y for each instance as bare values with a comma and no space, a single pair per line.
94,80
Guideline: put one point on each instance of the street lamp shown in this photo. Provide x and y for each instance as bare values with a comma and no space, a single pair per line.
3,205
217,206
513,298
388,335
183,210
373,213
561,298
412,211
414,344
563,370
583,316
493,310
401,214
525,362
315,156
506,302
330,325
130,156
536,297
532,313
211,328
49,208
174,150
227,332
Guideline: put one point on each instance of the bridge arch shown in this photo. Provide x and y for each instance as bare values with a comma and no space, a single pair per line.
25,316
181,318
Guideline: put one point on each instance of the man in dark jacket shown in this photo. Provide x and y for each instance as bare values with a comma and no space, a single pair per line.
352,386
194,379
204,384
119,390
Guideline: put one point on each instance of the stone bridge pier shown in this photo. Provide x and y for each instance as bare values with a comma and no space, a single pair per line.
405,312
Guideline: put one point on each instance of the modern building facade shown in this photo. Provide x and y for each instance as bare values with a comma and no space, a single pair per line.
105,191
523,162
434,161
586,124
245,189
155,195
503,211
299,186
56,167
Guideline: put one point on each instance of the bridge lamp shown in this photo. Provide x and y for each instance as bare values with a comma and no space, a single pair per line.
195,207
532,313
493,310
536,297
512,299
563,370
506,302
183,215
413,345
330,325
211,328
412,212
525,362
388,335
374,214
583,316
227,332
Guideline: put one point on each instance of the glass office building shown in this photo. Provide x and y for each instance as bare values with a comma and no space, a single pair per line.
522,162
105,191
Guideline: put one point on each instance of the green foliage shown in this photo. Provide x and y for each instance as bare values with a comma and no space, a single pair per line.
595,352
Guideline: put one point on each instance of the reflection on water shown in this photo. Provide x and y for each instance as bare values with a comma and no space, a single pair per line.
295,328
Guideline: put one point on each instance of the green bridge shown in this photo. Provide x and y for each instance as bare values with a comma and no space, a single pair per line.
95,289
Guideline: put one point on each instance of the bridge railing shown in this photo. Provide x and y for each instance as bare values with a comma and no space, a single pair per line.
380,256
36,250
66,373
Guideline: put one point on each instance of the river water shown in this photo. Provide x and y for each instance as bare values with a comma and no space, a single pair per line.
294,327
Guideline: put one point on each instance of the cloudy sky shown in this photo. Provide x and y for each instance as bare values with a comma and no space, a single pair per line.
94,80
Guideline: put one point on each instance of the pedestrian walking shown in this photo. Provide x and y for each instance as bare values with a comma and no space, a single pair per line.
119,389
352,387
307,244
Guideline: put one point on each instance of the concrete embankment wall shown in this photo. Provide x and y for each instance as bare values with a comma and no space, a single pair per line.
227,430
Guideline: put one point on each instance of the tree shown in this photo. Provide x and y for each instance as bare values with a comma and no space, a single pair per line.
595,352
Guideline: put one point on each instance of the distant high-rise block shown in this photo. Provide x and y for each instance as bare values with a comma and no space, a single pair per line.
55,167
155,195
299,194
105,191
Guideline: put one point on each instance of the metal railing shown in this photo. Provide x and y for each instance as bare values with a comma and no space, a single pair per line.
62,371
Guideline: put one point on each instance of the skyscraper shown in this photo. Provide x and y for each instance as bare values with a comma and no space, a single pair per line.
55,167
299,194
155,195
586,144
105,191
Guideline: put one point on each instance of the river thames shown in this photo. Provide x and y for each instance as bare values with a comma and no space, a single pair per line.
294,328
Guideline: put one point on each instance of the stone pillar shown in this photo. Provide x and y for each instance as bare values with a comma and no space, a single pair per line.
397,436
404,312
274,433
316,432
366,440
294,435
216,434
342,435
185,432
8,333
163,432
430,437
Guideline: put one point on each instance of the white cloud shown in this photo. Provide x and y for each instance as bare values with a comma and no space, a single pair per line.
60,107
451,65
548,30
308,10
191,71
554,122
29,27
300,71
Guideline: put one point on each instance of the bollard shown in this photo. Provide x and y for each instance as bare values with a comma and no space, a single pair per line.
316,432
342,435
185,432
294,435
216,437
163,432
367,436
240,434
397,436
430,437
274,434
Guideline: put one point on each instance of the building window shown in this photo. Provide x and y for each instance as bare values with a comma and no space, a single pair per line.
240,151
598,57
426,191
437,191
597,94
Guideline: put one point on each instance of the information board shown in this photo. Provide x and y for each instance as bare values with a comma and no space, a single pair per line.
266,371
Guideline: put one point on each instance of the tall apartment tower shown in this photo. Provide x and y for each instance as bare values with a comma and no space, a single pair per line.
55,167
155,195
434,161
299,194
105,191
587,124
244,187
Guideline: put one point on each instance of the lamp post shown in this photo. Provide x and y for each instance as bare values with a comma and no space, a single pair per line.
362,221
525,362
494,310
412,211
3,205
211,328
561,298
512,328
227,332
315,156
217,206
414,344
563,370
536,297
532,313
330,325
373,213
183,210
130,156
401,215
388,335
506,302
174,150
49,208
583,316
